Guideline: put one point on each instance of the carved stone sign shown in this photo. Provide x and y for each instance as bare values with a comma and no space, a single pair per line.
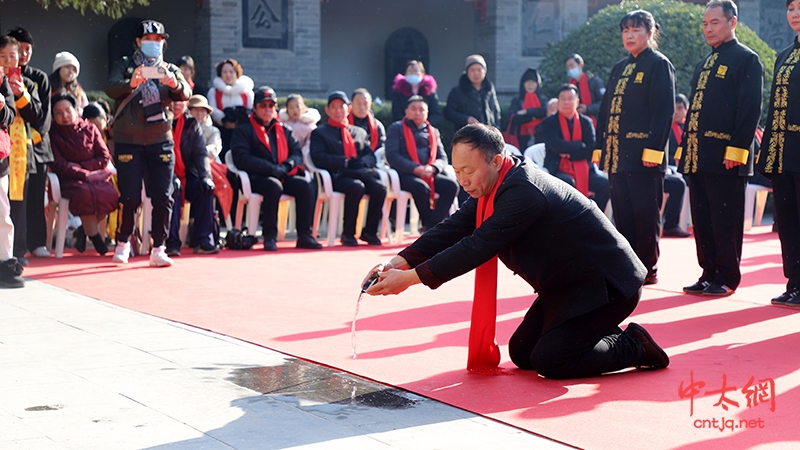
265,23
541,23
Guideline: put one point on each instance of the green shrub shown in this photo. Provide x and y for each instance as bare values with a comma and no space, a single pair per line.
94,95
599,42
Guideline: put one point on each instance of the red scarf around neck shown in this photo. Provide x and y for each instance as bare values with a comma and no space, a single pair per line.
578,170
373,128
347,138
677,131
280,136
180,167
218,98
411,146
531,101
484,354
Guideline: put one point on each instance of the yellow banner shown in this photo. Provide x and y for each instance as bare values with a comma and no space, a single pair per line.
18,160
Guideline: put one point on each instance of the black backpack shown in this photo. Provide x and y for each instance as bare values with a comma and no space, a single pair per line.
239,240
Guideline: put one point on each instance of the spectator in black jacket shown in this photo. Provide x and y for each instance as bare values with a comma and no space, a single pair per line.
474,100
272,157
528,109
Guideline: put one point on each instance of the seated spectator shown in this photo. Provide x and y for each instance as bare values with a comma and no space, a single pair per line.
10,267
345,151
415,82
528,109
590,87
64,79
201,111
414,148
568,137
552,106
274,162
81,163
674,184
231,89
186,64
361,116
97,114
94,113
301,119
474,100
191,183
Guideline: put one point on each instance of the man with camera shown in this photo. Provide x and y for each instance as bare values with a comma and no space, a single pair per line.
144,87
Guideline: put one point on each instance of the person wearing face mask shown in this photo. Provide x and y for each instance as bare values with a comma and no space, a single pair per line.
590,87
415,82
144,87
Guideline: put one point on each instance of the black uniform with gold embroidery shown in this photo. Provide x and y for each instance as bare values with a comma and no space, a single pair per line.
725,106
633,128
780,157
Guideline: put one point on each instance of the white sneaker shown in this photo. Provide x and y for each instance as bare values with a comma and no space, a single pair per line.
159,258
41,252
122,252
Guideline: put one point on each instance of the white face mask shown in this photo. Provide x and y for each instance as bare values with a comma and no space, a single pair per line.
413,79
152,49
574,73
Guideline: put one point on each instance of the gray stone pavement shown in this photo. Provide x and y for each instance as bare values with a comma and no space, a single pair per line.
78,373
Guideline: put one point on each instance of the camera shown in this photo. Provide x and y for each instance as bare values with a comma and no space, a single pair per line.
370,282
154,72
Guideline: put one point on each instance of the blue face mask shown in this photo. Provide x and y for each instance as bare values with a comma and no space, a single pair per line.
413,79
574,73
152,49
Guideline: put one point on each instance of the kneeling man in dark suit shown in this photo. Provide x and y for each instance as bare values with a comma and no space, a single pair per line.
586,274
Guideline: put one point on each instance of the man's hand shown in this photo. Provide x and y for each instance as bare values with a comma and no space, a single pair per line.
394,281
730,164
169,79
649,164
582,109
207,186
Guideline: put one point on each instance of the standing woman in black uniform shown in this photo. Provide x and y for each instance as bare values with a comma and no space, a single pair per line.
632,134
780,156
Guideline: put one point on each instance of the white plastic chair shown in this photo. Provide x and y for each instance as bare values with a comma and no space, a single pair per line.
512,149
58,213
536,153
253,201
330,200
755,196
394,192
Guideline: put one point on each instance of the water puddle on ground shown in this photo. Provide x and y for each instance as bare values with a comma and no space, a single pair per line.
312,386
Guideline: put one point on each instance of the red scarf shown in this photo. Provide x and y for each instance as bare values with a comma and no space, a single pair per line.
484,354
218,97
347,138
531,101
180,167
578,170
677,131
280,136
373,128
585,93
411,146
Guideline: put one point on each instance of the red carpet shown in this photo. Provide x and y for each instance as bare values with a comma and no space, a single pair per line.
301,303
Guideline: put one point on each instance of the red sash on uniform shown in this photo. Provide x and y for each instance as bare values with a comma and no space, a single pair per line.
347,138
578,170
484,354
373,128
411,146
531,101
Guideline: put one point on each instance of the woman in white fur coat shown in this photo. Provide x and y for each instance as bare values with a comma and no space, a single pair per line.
231,88
301,119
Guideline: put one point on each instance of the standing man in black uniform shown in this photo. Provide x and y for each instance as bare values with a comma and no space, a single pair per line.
780,156
633,130
42,153
715,154
345,151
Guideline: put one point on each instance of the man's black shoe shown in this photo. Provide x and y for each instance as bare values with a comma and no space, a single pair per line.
696,288
651,279
653,356
717,290
206,249
270,245
80,239
677,232
794,300
308,242
173,251
349,241
370,238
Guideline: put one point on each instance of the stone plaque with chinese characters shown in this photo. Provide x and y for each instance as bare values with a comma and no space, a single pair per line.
265,23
